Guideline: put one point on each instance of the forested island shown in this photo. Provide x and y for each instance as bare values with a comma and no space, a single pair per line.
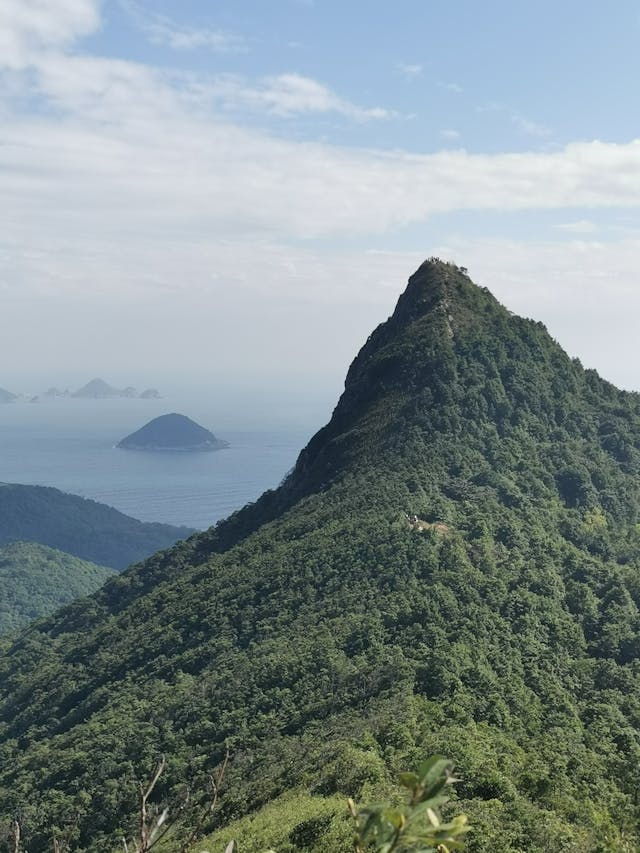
174,433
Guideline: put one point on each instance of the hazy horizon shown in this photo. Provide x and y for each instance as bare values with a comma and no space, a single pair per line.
237,195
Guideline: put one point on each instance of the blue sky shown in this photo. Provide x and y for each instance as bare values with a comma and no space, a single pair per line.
499,72
236,192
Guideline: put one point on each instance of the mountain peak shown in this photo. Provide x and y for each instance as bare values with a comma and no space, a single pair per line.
442,287
449,349
432,283
452,564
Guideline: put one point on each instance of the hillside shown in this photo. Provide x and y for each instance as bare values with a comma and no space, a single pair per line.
84,528
36,580
452,566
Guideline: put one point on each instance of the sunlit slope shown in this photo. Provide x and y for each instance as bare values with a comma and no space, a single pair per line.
36,580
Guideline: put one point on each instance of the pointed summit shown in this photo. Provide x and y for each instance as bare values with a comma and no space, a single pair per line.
412,356
438,286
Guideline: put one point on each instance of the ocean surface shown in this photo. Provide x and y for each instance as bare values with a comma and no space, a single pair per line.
70,444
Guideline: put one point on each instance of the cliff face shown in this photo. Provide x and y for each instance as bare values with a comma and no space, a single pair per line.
451,567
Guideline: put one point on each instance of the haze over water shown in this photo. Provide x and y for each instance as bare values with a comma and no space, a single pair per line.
69,444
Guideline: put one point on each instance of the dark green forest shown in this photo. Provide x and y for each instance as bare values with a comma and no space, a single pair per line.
36,580
84,528
453,567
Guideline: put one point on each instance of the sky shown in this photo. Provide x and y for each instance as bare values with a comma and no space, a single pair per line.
232,194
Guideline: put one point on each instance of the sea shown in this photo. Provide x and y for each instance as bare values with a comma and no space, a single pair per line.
71,444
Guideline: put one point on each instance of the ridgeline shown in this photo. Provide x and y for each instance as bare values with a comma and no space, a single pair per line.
87,529
452,566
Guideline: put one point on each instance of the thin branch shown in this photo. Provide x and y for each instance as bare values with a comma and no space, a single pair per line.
144,796
216,782
150,836
16,836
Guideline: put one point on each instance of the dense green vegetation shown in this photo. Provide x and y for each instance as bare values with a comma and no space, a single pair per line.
36,580
452,567
84,528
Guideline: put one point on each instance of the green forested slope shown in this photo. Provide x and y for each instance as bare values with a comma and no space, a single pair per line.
36,580
452,566
84,528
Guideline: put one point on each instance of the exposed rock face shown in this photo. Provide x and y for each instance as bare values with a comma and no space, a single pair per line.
172,433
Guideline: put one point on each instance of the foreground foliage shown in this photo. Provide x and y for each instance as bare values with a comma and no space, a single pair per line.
414,826
453,567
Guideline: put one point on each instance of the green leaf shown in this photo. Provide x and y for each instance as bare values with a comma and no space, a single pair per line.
409,780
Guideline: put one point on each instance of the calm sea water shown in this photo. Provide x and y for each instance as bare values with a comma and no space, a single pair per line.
69,444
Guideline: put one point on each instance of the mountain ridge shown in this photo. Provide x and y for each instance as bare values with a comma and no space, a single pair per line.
327,640
78,526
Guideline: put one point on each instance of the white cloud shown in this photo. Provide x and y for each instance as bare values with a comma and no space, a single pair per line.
162,30
452,87
410,71
283,95
522,122
129,148
129,192
526,125
29,26
582,226
450,134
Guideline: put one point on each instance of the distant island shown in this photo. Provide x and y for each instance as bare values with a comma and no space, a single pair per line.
54,393
172,432
7,396
98,389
